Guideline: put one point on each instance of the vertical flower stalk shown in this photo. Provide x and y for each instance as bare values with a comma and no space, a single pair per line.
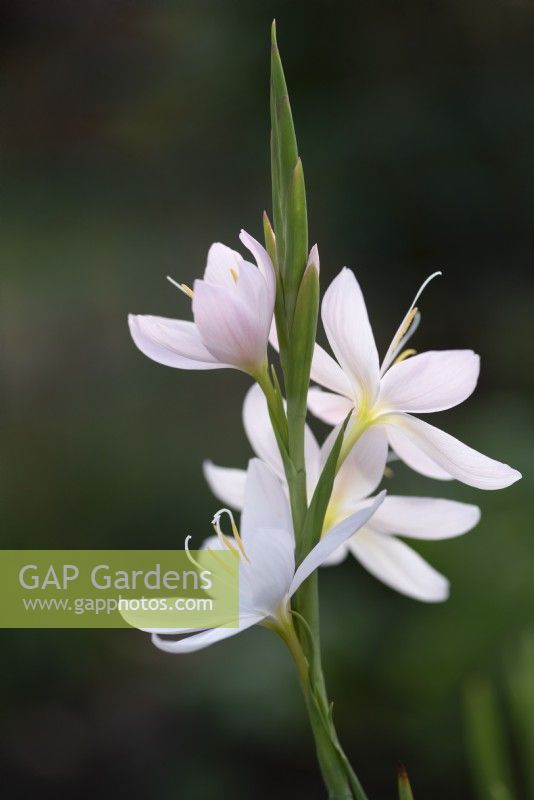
296,312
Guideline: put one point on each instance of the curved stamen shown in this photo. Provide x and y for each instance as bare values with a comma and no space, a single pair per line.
188,554
407,327
405,354
183,287
225,540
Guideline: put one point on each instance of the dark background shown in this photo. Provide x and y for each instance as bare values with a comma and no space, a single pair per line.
133,134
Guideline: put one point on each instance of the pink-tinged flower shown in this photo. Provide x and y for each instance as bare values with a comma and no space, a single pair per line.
387,395
232,309
374,545
268,576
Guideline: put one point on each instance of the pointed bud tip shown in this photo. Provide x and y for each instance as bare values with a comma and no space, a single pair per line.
313,259
274,43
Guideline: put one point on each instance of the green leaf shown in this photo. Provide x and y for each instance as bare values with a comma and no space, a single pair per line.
270,240
521,688
313,522
296,238
279,308
486,741
405,790
289,196
302,338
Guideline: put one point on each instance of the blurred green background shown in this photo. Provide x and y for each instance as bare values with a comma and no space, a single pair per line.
133,134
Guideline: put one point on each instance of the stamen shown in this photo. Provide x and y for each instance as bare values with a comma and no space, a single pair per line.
405,354
407,327
235,275
424,285
225,540
189,556
183,287
220,560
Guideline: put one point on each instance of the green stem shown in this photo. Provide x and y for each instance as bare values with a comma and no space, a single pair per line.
338,776
297,302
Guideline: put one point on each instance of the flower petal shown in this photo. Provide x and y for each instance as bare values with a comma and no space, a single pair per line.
263,260
451,455
265,579
326,371
221,261
259,430
328,407
398,566
265,506
172,342
347,327
424,517
335,537
361,472
413,456
337,557
199,641
233,321
227,484
431,381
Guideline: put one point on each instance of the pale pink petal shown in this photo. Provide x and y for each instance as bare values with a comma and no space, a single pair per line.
227,484
337,557
199,641
412,455
328,407
222,260
263,260
266,505
431,381
259,430
173,342
335,537
312,456
349,333
398,566
269,574
233,327
361,472
457,459
326,371
424,517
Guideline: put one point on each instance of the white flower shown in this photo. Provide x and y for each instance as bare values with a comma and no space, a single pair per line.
374,545
267,574
392,561
232,309
385,396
